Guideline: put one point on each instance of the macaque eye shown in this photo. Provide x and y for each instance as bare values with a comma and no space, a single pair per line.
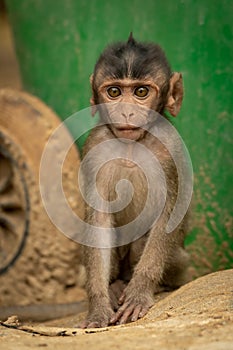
114,91
141,91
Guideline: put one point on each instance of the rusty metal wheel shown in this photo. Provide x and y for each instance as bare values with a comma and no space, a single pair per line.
37,262
14,209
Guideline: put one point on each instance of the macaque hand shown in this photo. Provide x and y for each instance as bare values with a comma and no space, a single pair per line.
98,319
134,306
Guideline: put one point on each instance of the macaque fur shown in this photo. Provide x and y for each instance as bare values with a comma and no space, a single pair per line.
137,74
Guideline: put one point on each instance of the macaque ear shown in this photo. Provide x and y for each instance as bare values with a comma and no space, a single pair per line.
92,102
175,94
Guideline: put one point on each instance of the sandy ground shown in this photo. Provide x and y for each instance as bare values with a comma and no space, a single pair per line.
197,316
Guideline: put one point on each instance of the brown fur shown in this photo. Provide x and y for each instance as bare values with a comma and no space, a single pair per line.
156,260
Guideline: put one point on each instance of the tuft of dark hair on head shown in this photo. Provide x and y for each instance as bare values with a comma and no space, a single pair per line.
133,59
131,39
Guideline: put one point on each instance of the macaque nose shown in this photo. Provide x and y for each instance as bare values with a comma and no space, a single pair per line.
127,116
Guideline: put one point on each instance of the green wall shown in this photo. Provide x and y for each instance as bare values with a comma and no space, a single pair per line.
59,41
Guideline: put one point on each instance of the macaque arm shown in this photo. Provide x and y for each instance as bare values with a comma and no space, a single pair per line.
97,262
138,296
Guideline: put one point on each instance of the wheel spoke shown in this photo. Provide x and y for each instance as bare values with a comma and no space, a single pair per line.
5,173
12,211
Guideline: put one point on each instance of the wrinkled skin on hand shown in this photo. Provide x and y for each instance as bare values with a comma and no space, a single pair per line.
133,307
128,307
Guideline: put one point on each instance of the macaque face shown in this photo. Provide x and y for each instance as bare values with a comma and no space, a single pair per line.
131,82
129,104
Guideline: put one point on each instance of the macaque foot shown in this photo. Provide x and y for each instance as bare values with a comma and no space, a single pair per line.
116,289
132,309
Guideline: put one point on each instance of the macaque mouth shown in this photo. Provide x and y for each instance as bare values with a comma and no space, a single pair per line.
128,131
127,127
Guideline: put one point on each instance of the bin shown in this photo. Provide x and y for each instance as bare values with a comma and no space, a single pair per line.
58,42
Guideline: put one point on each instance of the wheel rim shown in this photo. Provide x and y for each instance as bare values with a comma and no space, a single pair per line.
14,209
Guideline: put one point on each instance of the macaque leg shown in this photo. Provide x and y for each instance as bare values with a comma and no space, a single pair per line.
138,296
116,290
177,274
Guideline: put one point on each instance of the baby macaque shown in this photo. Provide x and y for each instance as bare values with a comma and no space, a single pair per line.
132,86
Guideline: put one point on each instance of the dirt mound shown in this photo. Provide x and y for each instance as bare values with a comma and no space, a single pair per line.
197,316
